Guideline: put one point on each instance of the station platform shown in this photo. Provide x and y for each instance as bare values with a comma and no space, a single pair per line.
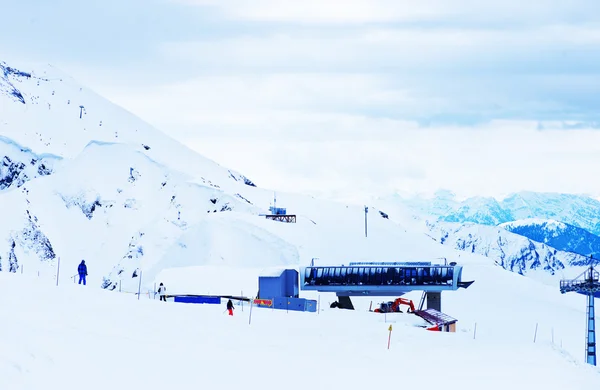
393,279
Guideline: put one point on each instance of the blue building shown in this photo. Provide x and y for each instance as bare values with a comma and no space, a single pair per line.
279,290
277,210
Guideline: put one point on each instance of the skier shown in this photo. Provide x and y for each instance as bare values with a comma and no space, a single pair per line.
230,307
162,291
82,270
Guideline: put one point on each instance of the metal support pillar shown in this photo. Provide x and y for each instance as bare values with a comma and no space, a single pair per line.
434,300
366,212
591,332
345,303
422,301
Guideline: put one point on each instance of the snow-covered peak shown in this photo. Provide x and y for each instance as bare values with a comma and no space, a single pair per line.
556,234
574,209
549,224
512,251
51,113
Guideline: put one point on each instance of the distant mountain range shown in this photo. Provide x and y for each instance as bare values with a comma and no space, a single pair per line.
578,211
558,235
525,232
511,251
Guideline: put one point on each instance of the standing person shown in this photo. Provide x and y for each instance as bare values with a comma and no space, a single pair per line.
162,291
230,307
82,271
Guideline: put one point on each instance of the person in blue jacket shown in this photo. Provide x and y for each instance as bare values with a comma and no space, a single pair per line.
82,270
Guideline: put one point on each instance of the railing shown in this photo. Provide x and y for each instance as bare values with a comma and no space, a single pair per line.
580,285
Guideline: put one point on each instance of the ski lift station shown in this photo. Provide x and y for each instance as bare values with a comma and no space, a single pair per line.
280,289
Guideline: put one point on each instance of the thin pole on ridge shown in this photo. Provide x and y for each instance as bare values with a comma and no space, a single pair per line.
57,272
140,285
366,212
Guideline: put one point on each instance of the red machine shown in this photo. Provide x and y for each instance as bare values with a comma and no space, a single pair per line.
394,307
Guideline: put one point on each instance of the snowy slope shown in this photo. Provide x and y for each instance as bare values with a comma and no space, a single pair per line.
75,337
19,164
558,235
511,251
59,117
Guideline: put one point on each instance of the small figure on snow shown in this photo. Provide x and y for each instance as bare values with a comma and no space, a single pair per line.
162,291
230,307
82,270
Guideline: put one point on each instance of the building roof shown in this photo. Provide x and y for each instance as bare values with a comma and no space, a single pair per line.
275,272
435,317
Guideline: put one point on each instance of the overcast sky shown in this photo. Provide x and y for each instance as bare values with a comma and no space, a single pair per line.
339,97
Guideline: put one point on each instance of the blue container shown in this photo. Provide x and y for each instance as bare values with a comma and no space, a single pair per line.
295,304
283,285
271,286
198,299
291,283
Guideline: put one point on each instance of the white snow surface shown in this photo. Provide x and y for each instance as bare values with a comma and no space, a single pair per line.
74,337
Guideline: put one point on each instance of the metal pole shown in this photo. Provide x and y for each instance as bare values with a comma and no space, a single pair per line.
591,332
366,212
250,317
535,334
57,271
475,331
140,285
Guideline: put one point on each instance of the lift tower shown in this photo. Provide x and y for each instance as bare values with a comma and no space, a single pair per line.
588,283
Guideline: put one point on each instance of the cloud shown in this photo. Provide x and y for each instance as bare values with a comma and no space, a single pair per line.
425,74
386,11
388,50
305,133
333,97
492,161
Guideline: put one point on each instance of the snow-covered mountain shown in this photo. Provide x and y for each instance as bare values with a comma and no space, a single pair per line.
578,210
511,251
558,235
131,201
83,178
90,181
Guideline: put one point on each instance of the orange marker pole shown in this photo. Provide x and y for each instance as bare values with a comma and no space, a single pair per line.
390,336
